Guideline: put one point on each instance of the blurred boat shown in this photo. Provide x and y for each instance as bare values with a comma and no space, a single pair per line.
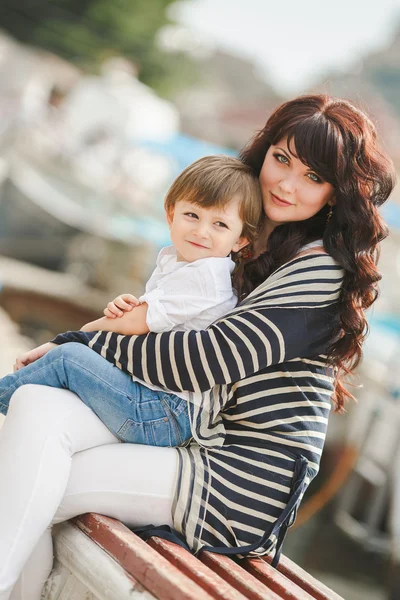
85,175
51,219
96,213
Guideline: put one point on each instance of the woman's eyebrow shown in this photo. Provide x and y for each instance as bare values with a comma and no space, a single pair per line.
284,151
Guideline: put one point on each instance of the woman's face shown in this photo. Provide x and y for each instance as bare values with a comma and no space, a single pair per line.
291,191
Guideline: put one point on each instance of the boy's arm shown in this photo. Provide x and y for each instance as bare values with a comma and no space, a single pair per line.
32,355
131,323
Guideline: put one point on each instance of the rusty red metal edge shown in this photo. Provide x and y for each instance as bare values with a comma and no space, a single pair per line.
316,588
141,561
233,573
208,579
275,580
171,573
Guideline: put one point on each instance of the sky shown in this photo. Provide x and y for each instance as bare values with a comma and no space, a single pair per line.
294,42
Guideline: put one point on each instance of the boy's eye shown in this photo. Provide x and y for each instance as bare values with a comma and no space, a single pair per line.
281,158
191,214
221,224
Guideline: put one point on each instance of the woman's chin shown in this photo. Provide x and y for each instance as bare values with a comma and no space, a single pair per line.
275,217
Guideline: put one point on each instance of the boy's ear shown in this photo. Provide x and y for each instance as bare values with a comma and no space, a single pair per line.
169,215
241,243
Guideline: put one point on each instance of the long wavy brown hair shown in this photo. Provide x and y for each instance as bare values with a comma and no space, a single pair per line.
339,142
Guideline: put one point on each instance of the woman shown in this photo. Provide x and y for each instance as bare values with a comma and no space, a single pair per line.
260,379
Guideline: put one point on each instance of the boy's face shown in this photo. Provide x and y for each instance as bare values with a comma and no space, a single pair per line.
198,232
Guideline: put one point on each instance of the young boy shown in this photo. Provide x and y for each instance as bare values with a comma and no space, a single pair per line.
213,208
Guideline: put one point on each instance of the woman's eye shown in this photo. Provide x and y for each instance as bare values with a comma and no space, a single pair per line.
281,158
314,177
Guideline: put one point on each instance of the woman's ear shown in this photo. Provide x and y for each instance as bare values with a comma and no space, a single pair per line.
241,243
332,201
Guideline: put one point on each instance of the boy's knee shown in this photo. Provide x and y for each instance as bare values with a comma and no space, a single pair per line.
73,350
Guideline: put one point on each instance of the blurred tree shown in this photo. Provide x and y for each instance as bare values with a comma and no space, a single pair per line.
88,31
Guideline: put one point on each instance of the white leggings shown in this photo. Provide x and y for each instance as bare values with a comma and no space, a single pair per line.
57,461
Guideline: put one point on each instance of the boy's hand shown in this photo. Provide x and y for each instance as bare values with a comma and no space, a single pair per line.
32,355
119,305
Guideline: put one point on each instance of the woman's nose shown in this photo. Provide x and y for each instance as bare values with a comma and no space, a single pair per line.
288,184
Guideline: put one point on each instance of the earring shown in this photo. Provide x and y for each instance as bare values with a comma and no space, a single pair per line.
330,213
245,253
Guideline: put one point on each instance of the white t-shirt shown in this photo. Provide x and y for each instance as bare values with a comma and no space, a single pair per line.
183,296
315,244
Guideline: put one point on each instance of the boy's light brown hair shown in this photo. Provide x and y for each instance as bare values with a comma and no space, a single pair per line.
212,181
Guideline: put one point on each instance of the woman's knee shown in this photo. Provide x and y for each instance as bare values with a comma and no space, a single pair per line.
31,409
24,396
42,403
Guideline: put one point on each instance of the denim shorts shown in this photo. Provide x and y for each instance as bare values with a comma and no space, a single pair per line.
159,419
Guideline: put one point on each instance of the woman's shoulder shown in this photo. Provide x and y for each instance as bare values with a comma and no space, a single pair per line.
314,259
308,279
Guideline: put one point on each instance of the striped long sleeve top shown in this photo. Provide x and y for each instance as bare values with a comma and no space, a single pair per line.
259,404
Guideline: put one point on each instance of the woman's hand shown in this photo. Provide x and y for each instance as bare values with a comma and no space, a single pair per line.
32,355
120,305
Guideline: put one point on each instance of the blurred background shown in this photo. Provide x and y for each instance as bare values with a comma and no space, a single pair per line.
102,104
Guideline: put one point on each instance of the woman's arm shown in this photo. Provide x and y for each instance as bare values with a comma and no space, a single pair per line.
131,323
292,316
235,348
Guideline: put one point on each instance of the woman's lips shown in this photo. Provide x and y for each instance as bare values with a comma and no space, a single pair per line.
279,202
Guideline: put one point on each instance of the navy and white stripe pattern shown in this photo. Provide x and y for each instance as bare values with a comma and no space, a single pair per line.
264,367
